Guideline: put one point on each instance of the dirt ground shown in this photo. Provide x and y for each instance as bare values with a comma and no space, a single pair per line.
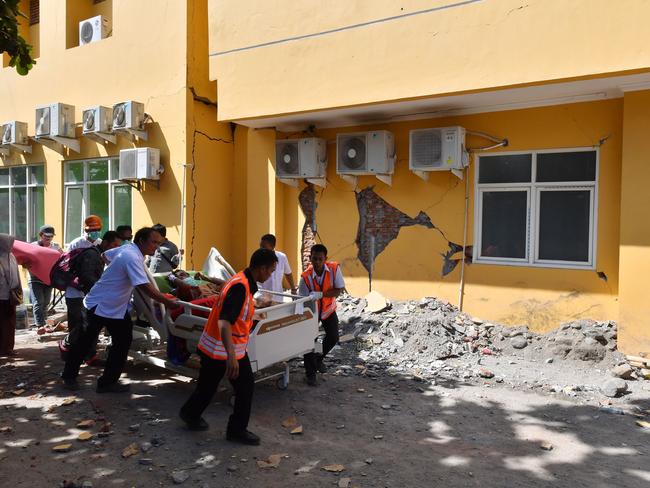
384,429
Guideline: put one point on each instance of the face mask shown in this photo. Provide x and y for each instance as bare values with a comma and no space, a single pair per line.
94,235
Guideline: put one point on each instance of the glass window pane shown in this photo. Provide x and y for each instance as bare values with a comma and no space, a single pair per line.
37,175
4,176
36,211
98,202
74,172
18,176
566,166
19,209
115,169
564,225
4,211
121,205
513,168
504,224
98,171
74,213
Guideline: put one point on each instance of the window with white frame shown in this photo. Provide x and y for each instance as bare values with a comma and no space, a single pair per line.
22,209
92,188
537,208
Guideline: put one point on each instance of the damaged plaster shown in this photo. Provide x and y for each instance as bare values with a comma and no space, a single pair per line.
307,200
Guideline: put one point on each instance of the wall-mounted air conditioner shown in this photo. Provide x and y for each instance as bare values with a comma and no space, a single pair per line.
140,163
14,132
128,115
97,119
55,120
366,153
437,149
93,30
301,158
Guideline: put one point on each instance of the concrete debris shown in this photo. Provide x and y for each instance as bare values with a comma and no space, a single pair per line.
376,302
297,431
614,387
334,468
62,448
518,342
130,450
546,446
624,371
179,477
345,482
273,461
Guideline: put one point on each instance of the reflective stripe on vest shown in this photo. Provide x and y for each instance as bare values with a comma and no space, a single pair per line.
210,342
326,305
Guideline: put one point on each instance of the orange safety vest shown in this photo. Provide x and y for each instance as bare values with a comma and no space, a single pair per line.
326,305
210,342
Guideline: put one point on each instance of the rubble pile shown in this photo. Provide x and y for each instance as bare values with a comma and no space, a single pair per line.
418,337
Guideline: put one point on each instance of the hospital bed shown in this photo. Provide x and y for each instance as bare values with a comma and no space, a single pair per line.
283,331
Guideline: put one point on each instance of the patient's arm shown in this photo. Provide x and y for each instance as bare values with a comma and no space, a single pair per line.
202,277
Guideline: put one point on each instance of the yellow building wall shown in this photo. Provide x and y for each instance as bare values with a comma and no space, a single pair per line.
634,328
143,60
410,267
449,47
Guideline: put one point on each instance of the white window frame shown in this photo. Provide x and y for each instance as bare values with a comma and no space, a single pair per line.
27,186
112,182
534,189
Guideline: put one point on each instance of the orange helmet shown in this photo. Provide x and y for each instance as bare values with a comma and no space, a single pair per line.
93,222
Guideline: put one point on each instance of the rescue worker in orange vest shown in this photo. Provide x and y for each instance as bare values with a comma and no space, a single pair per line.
222,349
324,279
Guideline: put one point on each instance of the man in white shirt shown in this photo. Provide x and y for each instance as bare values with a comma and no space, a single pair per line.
107,305
283,270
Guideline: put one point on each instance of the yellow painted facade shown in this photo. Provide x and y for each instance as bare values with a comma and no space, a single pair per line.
223,81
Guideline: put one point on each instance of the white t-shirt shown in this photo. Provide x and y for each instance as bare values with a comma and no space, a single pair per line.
112,293
274,283
78,243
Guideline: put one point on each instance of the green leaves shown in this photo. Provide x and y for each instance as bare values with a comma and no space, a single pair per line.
11,42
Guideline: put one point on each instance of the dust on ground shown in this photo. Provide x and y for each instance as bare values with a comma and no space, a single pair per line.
412,398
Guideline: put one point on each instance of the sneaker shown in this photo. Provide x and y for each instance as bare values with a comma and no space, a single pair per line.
311,380
70,384
114,388
193,424
245,437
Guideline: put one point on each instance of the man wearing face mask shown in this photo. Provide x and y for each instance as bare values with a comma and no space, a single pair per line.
74,297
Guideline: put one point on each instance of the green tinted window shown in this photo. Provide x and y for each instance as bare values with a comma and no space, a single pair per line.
74,213
4,211
19,208
74,172
98,202
37,175
98,171
121,205
18,175
37,214
4,177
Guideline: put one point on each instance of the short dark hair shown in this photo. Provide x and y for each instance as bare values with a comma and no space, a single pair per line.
144,234
270,238
111,236
161,229
318,248
123,228
262,257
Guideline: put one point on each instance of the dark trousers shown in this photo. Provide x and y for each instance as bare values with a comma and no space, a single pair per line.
40,295
78,325
211,373
121,331
7,326
331,327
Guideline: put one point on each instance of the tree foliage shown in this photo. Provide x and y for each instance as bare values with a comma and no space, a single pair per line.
11,42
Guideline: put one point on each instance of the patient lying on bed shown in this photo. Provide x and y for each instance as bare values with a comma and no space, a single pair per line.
200,290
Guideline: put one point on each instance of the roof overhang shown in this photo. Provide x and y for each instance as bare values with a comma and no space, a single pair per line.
555,93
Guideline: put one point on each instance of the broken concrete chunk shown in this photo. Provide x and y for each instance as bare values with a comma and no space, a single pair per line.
485,373
334,468
179,477
130,450
519,342
345,482
62,447
273,461
85,424
376,302
614,387
546,446
623,371
84,436
297,430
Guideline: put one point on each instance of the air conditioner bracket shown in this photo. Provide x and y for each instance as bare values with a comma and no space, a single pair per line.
139,184
322,182
102,137
135,133
289,181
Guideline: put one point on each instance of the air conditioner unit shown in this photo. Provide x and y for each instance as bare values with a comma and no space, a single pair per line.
140,163
365,153
14,132
93,30
437,149
301,158
55,120
128,115
97,119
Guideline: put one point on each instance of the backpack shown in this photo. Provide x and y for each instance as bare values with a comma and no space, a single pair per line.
78,268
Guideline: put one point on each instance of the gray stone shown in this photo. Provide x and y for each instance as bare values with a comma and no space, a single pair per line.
614,387
549,360
145,461
180,477
518,342
145,446
624,371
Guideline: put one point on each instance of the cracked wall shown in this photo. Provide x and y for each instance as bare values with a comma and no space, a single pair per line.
307,200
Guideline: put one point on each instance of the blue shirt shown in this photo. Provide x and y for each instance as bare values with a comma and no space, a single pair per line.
112,293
